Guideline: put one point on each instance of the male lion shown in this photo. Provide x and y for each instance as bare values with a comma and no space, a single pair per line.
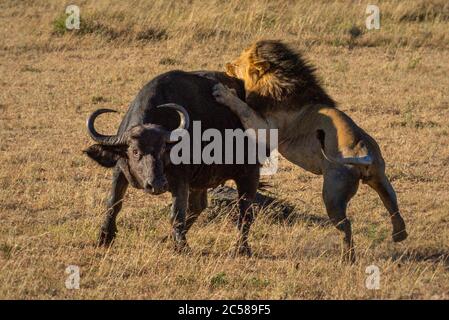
284,94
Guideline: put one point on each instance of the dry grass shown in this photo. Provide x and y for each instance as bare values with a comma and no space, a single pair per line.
394,82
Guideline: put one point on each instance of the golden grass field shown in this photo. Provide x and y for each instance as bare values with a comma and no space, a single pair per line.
393,82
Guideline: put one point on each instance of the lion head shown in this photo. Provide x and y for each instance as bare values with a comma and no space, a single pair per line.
271,69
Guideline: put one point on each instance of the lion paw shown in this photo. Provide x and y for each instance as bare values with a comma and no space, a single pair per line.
223,94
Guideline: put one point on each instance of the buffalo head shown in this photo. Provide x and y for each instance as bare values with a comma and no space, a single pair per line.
142,152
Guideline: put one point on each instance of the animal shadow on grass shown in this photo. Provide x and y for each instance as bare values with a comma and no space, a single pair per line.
424,255
223,202
223,199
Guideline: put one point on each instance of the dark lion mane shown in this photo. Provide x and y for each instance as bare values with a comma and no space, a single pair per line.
288,76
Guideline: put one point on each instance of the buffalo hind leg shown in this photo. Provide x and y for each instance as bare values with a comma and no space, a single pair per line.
247,189
340,185
114,205
383,187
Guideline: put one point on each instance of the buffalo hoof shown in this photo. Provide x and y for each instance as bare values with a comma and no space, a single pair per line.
399,233
167,238
243,251
349,256
182,248
106,238
400,236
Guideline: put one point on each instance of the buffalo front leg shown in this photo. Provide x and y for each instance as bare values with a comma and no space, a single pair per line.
340,185
180,195
197,203
247,188
114,205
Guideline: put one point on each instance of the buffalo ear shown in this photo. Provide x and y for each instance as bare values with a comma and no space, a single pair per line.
106,156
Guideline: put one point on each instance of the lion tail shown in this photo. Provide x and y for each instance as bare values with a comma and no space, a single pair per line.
355,160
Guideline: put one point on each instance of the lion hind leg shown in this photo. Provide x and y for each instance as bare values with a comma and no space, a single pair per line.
384,189
340,185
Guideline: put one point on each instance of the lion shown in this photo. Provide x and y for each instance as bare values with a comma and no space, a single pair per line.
282,92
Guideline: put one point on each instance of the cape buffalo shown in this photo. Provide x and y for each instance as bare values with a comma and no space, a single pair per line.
139,152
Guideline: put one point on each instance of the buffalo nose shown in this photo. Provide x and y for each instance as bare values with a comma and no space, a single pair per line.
157,187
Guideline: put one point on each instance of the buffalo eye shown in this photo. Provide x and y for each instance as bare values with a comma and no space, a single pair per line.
136,153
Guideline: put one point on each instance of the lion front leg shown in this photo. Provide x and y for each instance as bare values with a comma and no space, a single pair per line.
250,119
228,97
